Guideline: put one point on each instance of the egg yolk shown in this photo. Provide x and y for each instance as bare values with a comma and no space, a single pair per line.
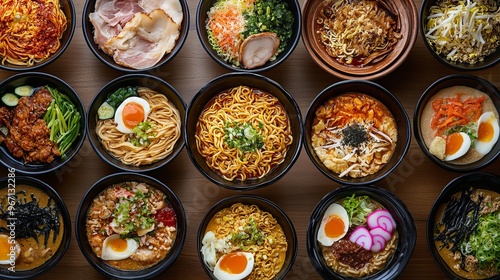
453,143
334,227
485,132
233,263
4,248
133,114
118,244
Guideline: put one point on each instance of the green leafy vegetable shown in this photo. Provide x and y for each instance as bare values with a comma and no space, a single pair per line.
142,133
243,136
117,97
358,208
484,242
63,120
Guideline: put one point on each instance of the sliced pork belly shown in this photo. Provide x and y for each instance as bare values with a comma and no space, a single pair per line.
102,30
144,40
172,7
117,11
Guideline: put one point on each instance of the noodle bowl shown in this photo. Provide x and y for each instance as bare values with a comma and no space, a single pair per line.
243,133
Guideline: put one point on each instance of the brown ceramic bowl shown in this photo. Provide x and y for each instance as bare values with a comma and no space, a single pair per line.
408,25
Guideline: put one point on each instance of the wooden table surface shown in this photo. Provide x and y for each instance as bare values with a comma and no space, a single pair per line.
417,181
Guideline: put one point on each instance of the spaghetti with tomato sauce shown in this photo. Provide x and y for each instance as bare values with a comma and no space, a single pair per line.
30,31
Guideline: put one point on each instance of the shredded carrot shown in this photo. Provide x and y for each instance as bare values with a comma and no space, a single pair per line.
452,111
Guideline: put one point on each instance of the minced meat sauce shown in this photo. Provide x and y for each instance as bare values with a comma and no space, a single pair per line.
350,253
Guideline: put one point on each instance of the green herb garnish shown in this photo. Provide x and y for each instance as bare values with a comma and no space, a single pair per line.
469,129
141,134
358,208
243,136
133,213
250,235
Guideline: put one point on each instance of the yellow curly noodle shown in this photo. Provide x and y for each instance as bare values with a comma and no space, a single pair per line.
270,255
166,125
357,32
30,31
243,105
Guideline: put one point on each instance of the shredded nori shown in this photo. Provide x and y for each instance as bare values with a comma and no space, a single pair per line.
354,135
30,219
460,219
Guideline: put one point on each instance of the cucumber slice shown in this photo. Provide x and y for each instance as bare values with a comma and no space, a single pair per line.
10,99
105,111
23,90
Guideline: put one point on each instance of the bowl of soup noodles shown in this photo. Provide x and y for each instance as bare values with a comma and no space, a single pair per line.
250,230
360,232
35,227
130,226
356,132
462,227
243,131
456,122
135,123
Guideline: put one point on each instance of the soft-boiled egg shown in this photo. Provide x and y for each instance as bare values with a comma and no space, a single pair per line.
487,133
9,249
131,112
334,225
234,266
116,248
457,144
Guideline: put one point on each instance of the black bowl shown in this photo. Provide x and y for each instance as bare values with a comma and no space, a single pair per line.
16,183
265,205
404,224
143,80
68,9
228,81
449,81
381,94
88,34
98,264
201,19
489,61
476,180
37,79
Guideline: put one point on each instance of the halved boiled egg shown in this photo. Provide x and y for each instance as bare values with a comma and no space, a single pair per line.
116,248
234,266
334,225
9,249
131,112
487,133
457,144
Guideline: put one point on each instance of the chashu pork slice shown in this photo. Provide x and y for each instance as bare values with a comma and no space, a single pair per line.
144,40
257,49
172,7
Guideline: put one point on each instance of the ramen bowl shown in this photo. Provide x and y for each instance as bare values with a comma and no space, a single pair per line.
41,191
442,88
228,119
125,180
336,168
286,27
429,33
242,203
149,56
366,68
68,8
402,244
34,165
437,215
116,159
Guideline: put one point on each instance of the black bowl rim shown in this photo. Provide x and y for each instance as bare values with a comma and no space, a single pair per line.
54,260
219,180
53,57
171,257
444,61
235,199
445,193
375,75
269,65
416,123
77,145
99,53
391,202
400,107
115,162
